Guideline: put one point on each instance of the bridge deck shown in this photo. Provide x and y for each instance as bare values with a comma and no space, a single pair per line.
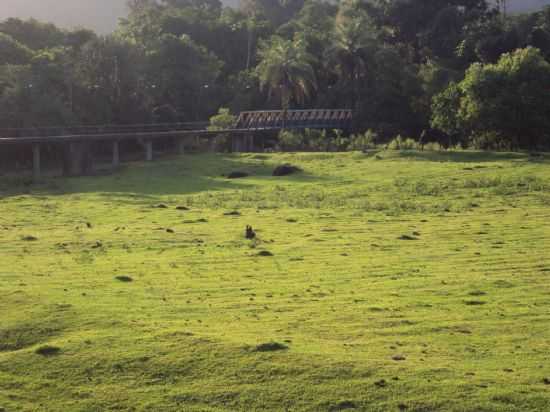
247,122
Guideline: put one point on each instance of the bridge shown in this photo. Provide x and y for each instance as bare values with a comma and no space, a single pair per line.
76,140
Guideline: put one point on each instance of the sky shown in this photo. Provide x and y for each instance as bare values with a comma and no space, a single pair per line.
102,15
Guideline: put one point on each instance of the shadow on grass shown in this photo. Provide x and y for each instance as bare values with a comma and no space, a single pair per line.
143,181
463,156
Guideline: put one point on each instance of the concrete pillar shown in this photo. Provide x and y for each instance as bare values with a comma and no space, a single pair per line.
35,162
149,150
116,154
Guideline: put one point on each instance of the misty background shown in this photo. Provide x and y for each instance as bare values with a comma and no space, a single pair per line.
103,15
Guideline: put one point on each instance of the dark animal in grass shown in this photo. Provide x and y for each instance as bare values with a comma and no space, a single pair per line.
29,238
265,253
170,231
237,175
182,208
124,278
89,225
250,233
286,170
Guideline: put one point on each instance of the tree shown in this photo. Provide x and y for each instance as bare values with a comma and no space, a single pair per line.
353,41
286,69
507,100
13,52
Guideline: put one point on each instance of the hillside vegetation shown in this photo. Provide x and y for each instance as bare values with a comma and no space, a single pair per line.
391,281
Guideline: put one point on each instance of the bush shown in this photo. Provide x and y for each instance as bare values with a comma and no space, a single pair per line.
317,140
364,141
399,143
290,140
490,141
222,121
433,147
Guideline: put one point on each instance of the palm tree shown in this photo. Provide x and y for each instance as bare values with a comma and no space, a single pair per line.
353,38
286,67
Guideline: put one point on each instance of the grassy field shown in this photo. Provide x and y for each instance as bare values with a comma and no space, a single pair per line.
380,282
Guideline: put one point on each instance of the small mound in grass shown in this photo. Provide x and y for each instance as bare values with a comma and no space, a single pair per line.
344,405
270,347
124,278
265,253
48,350
161,206
286,170
474,302
407,237
237,175
182,208
233,213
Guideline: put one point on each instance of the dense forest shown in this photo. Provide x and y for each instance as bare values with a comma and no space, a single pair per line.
460,72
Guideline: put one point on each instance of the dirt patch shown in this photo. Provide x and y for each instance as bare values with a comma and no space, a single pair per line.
48,350
270,347
344,405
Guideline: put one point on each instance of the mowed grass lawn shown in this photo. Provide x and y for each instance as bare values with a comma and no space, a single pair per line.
394,282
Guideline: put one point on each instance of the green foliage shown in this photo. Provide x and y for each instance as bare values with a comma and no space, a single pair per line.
363,141
285,69
12,52
502,102
223,120
393,62
400,143
291,140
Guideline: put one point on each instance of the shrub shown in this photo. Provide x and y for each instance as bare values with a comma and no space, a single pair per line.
433,147
290,140
317,140
399,143
222,121
364,141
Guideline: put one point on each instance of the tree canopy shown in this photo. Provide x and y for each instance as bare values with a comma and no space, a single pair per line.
399,65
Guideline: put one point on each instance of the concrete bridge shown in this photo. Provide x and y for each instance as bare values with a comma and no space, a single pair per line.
75,142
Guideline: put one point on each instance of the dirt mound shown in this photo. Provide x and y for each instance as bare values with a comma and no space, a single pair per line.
270,347
286,170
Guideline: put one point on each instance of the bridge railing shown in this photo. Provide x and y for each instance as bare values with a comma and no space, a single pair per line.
296,119
55,131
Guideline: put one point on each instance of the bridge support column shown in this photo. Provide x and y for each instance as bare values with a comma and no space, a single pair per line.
181,145
116,154
250,143
78,159
36,162
149,150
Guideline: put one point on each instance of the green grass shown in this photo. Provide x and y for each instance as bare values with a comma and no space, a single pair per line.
393,282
